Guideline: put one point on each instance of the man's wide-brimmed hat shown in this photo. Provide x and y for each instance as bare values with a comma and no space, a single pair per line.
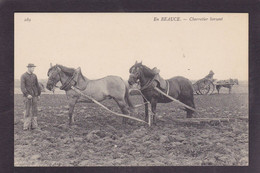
31,65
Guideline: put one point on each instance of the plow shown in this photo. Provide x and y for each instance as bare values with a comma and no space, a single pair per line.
127,116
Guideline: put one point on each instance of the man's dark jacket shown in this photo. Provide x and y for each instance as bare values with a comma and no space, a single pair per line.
30,85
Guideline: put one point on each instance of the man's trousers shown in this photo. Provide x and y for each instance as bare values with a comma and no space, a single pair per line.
30,115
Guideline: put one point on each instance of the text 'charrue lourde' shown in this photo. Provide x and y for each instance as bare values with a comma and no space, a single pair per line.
193,19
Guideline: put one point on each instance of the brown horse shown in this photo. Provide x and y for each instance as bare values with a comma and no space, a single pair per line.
110,87
178,87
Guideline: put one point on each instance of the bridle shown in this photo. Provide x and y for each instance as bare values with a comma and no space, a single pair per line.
51,78
68,83
136,75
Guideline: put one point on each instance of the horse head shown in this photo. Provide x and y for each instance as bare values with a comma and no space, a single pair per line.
53,77
65,75
135,73
139,71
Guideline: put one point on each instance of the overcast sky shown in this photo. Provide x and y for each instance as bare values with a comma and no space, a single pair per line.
109,44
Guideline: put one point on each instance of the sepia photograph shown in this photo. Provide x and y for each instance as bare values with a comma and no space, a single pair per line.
131,89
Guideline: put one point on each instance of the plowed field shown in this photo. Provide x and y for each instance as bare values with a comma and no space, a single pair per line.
98,138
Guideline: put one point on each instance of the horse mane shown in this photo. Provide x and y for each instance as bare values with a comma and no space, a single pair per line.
148,72
68,71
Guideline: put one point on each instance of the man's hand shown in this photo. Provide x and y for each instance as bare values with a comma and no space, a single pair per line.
29,97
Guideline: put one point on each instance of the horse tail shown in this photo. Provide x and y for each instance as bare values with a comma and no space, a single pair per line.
127,99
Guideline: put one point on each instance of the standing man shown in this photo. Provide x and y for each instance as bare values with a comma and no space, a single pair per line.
31,92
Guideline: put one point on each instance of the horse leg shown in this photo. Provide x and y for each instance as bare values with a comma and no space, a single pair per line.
189,102
153,105
123,106
128,102
229,89
72,104
189,113
218,87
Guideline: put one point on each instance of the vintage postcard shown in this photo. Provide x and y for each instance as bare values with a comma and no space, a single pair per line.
131,89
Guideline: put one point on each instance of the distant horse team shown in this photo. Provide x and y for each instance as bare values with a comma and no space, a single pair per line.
226,84
114,87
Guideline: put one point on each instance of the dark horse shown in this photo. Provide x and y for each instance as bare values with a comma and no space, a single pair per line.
226,84
178,87
110,87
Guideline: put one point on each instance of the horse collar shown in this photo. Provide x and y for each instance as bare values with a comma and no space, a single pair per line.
68,83
147,84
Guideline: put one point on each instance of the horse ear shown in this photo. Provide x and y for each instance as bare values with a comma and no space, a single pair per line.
135,62
51,64
141,62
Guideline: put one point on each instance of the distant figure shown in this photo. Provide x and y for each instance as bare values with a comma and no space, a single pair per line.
210,75
31,91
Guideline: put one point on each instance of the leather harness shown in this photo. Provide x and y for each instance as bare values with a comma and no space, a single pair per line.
69,82
150,83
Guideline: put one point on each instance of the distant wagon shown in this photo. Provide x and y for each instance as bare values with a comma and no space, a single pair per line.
205,85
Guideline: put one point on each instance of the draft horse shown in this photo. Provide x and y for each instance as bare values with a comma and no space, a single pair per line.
109,87
177,87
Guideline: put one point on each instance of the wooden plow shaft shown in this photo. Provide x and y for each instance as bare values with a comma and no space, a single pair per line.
177,101
118,114
140,105
147,102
